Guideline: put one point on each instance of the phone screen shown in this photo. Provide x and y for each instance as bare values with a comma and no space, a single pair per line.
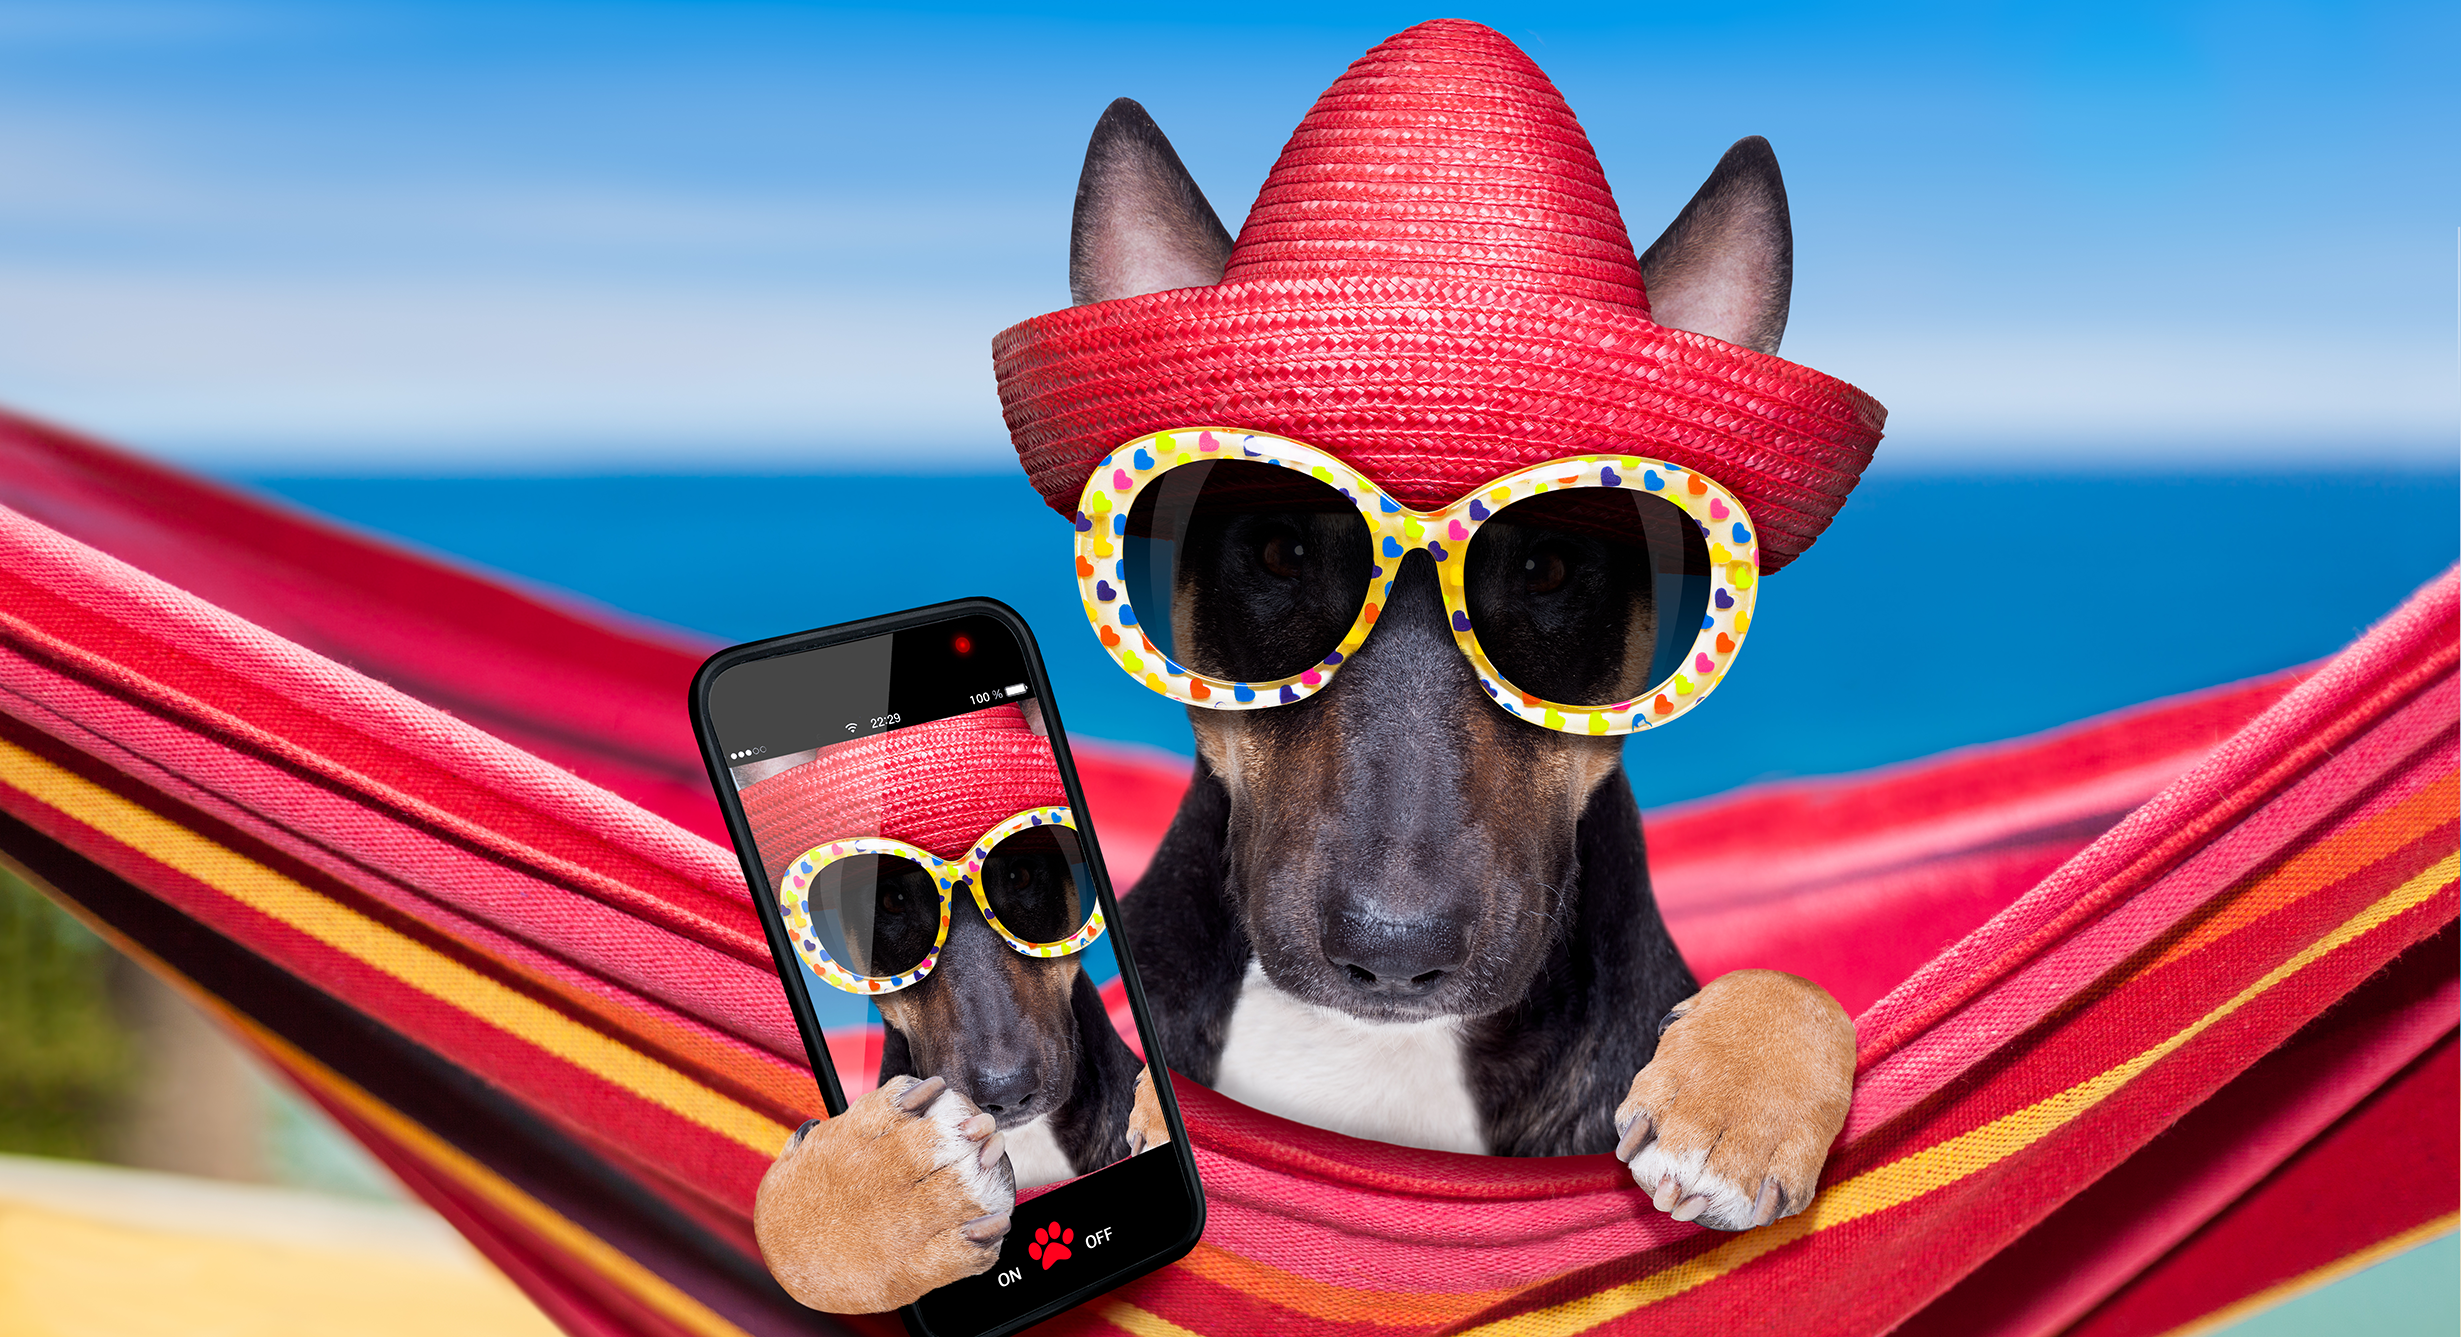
937,903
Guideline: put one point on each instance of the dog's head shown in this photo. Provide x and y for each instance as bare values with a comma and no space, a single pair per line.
1398,847
997,1024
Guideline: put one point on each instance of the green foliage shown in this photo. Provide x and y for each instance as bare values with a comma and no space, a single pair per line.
65,1059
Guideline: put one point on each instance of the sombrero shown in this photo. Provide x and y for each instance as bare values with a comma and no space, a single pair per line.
1435,285
936,786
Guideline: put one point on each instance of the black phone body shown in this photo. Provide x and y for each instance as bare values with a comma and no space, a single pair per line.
917,727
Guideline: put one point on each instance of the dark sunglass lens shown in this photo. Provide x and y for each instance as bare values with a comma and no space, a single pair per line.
1588,596
1244,571
1038,884
875,914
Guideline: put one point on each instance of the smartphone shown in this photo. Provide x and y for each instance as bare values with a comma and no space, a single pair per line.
914,835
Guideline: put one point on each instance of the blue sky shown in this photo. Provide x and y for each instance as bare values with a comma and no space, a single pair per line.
561,237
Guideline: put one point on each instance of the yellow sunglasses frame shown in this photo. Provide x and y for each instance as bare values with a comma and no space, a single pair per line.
1396,530
794,891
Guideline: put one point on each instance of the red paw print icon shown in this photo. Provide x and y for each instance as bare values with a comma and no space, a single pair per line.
1050,1244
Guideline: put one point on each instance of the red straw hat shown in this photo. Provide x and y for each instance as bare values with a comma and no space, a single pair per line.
936,786
1435,285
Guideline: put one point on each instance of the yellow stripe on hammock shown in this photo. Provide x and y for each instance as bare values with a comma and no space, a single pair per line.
2282,1292
2322,864
405,959
1140,1322
649,1289
448,1161
1329,1303
1934,1168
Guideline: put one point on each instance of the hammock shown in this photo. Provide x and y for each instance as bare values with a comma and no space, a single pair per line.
2139,1001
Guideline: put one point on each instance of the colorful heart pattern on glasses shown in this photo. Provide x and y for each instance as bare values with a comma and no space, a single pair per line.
794,899
1396,530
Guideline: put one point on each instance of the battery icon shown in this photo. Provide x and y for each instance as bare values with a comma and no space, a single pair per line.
1014,689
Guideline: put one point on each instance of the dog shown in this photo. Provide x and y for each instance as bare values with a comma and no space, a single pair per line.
1493,973
1391,909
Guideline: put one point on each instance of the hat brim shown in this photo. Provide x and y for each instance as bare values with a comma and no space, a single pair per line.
1431,387
938,786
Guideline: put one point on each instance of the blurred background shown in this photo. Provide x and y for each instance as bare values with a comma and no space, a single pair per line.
685,310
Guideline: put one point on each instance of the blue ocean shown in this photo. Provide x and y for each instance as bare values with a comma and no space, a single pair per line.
1937,611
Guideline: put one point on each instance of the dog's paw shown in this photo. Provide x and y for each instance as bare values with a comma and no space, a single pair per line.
908,1190
1732,1120
1147,1129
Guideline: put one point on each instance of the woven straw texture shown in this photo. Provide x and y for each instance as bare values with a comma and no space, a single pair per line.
1435,284
938,786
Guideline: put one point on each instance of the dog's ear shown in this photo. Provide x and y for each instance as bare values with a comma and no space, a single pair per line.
1725,266
1142,225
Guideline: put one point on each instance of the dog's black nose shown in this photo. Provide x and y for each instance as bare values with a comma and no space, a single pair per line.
997,1092
1393,956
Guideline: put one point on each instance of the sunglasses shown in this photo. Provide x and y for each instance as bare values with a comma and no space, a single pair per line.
1598,594
869,915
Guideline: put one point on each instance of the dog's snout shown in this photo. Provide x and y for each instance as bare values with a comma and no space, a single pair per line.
998,1091
1391,956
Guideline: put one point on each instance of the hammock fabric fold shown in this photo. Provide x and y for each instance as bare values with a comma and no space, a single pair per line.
2137,1000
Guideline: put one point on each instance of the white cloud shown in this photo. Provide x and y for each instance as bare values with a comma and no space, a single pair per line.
272,319
471,371
73,184
486,373
2185,395
281,319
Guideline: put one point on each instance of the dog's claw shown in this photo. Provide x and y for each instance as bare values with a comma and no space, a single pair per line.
985,1229
922,1093
977,1128
1690,1207
808,1126
1772,1201
1635,1137
1666,1194
994,1147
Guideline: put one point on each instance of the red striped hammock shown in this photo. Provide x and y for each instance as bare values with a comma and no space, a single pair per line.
2140,1001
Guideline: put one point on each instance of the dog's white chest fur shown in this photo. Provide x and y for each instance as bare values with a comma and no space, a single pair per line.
1034,1153
1398,1082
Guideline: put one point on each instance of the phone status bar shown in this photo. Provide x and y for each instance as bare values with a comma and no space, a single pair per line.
789,703
865,724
